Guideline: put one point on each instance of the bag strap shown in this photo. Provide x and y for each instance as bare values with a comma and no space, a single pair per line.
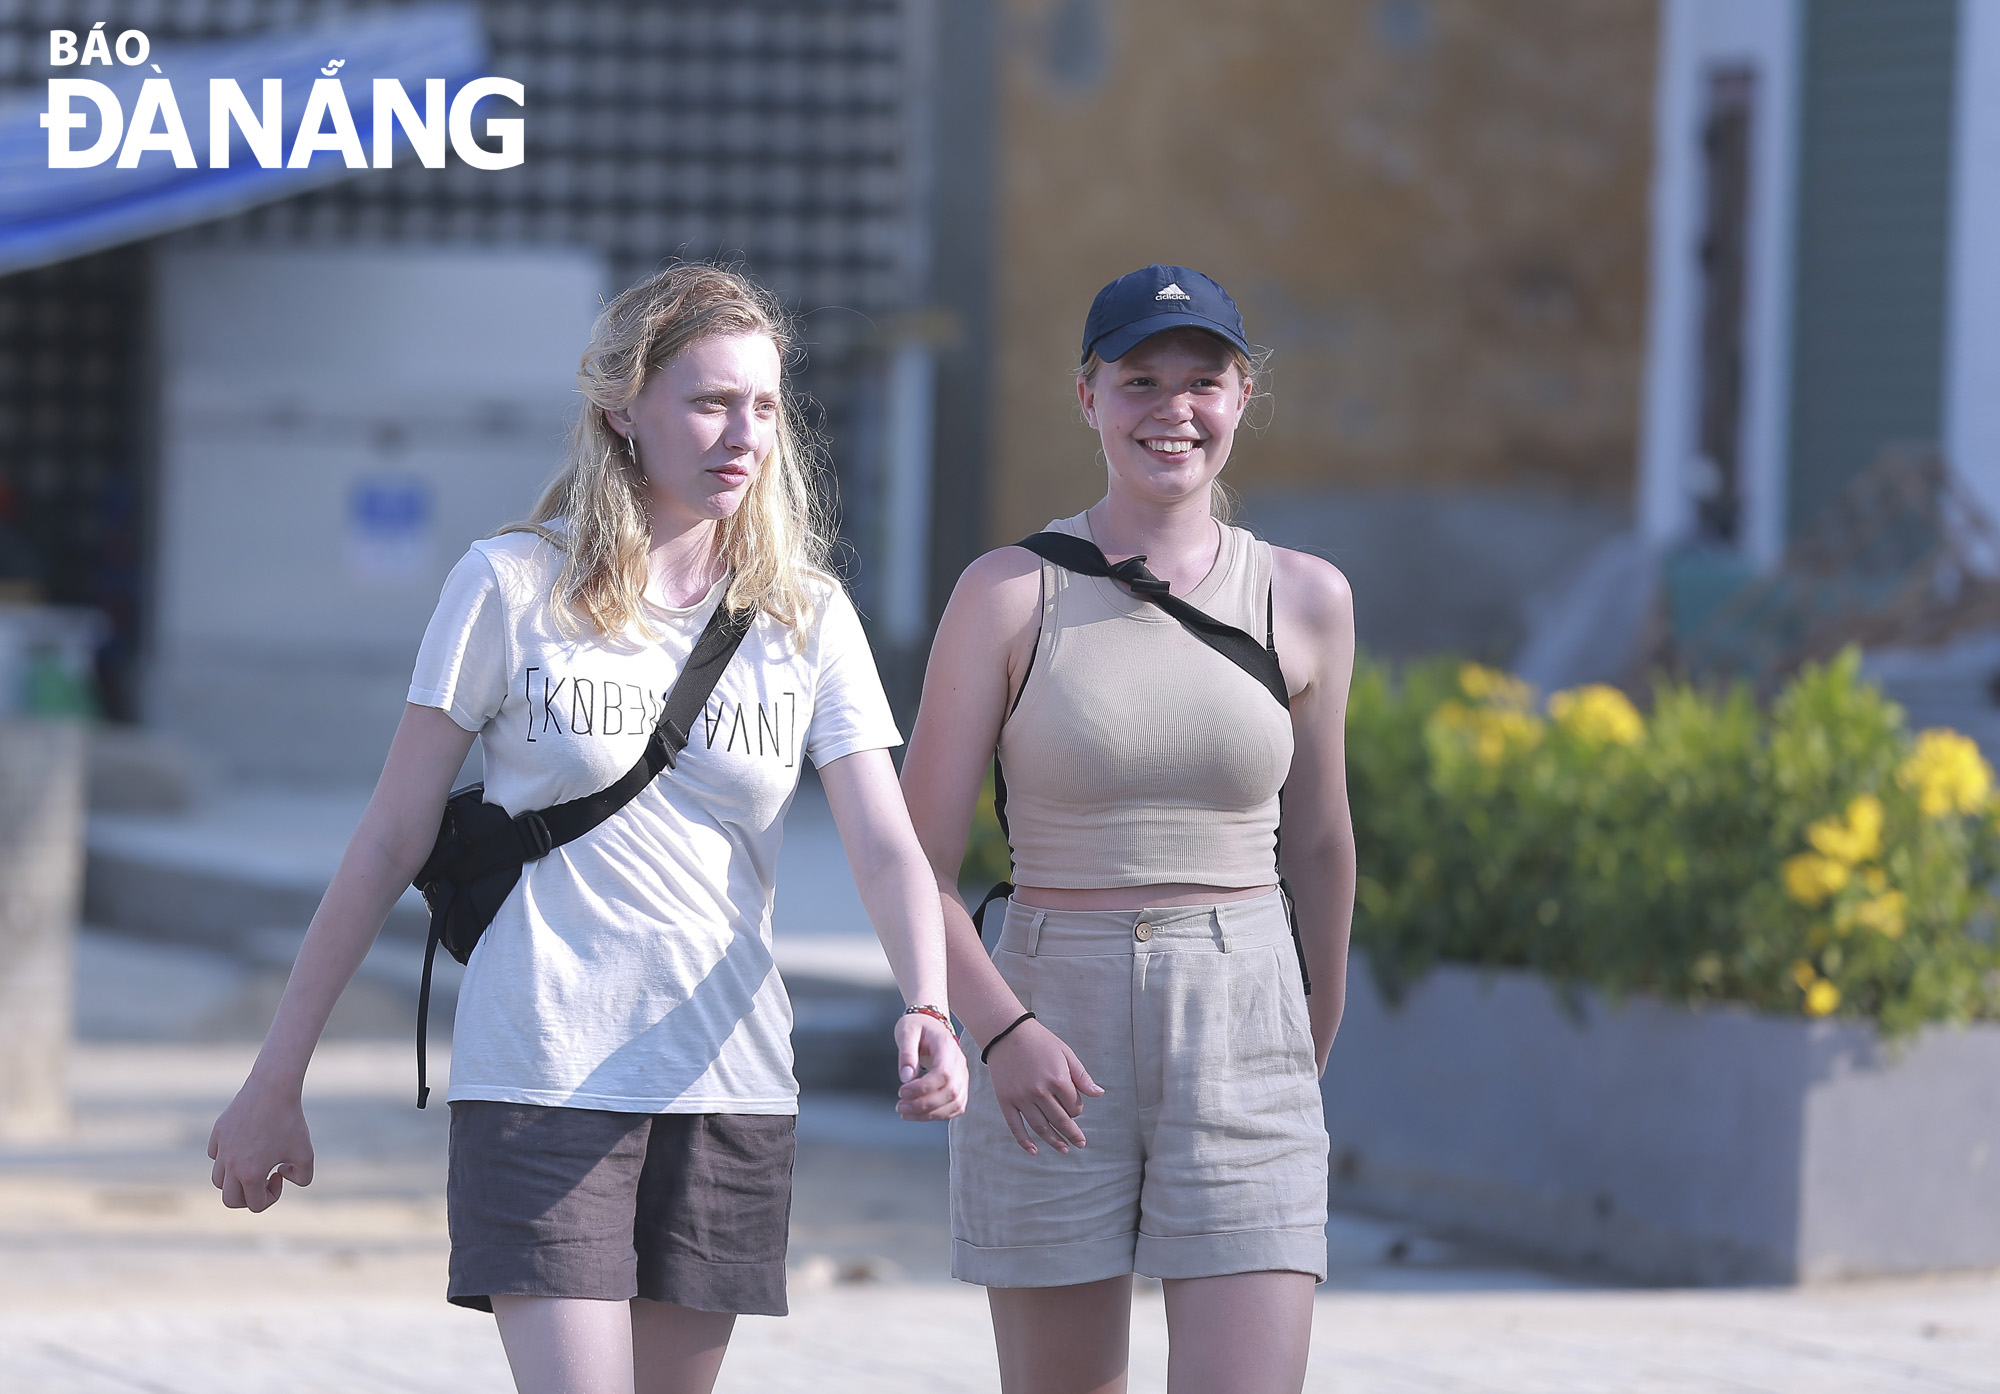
537,832
540,831
566,822
424,1016
1081,555
1260,661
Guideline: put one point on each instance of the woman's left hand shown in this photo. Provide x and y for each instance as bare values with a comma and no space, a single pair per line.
932,1069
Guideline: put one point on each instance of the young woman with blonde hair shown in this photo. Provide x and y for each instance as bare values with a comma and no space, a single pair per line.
622,1098
1144,962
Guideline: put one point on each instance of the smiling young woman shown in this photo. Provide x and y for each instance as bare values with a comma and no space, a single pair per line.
622,1097
1145,962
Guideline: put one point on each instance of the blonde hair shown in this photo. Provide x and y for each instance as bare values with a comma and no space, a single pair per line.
1252,367
776,542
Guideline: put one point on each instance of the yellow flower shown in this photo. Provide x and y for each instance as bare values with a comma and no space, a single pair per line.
1821,998
1856,839
1489,732
1804,974
1502,731
1450,716
1811,878
1948,773
1883,914
1599,714
1483,684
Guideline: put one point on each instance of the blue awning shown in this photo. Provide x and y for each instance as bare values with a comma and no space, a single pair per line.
49,215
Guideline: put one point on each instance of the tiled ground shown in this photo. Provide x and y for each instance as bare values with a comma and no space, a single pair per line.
119,1271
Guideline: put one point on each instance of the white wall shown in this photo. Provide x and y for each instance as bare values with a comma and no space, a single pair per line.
1695,36
1972,371
290,382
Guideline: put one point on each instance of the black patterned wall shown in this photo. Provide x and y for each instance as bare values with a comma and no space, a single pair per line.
789,135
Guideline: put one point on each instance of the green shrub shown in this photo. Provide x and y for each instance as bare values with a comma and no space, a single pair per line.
1814,858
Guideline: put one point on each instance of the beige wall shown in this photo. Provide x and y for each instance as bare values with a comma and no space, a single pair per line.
1434,210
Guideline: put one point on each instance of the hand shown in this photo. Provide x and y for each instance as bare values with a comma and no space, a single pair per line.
260,1142
1041,1086
932,1069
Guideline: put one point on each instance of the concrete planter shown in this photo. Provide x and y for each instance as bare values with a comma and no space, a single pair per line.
1662,1144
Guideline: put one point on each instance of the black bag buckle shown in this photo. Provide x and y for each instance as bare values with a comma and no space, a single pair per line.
436,893
673,743
535,837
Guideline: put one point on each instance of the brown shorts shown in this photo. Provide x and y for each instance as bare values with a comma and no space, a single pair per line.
688,1208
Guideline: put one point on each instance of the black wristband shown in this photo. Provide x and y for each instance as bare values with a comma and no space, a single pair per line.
1024,1016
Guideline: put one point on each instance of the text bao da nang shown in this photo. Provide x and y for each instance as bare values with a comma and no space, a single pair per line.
326,125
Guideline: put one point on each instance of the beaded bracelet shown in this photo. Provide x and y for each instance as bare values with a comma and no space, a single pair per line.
926,1009
1024,1016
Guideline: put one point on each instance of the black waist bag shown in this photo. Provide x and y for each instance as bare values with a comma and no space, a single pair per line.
481,848
1260,661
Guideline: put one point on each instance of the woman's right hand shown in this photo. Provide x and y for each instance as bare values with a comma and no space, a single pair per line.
260,1142
1040,1085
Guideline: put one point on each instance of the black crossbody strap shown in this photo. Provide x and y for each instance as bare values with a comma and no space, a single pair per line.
1260,661
1081,555
1000,889
424,1018
718,643
535,833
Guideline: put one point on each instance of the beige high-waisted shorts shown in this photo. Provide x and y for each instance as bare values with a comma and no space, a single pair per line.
1207,1153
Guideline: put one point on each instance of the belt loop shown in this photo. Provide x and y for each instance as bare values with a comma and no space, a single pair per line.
1221,927
1035,933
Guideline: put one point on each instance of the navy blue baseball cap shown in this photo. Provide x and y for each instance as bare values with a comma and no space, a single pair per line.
1141,303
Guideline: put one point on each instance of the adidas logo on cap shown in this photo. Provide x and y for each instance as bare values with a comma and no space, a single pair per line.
1173,292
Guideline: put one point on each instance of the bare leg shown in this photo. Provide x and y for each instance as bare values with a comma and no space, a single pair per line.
677,1350
566,1345
1066,1340
1243,1333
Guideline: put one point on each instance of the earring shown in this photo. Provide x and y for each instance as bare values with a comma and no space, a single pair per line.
632,450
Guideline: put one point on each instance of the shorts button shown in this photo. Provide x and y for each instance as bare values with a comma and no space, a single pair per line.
1142,931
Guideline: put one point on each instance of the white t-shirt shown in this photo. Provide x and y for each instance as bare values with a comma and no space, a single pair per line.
631,969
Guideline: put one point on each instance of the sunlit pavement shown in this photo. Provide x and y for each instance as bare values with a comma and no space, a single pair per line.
120,1271
934,1337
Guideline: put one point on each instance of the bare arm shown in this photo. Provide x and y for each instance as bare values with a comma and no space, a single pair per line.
261,1137
977,663
968,684
896,887
1315,637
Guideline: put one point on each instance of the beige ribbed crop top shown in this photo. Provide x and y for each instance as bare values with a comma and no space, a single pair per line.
1136,755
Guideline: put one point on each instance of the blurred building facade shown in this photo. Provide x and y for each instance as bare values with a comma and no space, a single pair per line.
1551,288
257,442
1826,261
1556,290
1433,211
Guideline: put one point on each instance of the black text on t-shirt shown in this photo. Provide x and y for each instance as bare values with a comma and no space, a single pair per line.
579,706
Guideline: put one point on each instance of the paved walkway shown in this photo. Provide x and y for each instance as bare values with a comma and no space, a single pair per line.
371,1327
934,1338
119,1271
